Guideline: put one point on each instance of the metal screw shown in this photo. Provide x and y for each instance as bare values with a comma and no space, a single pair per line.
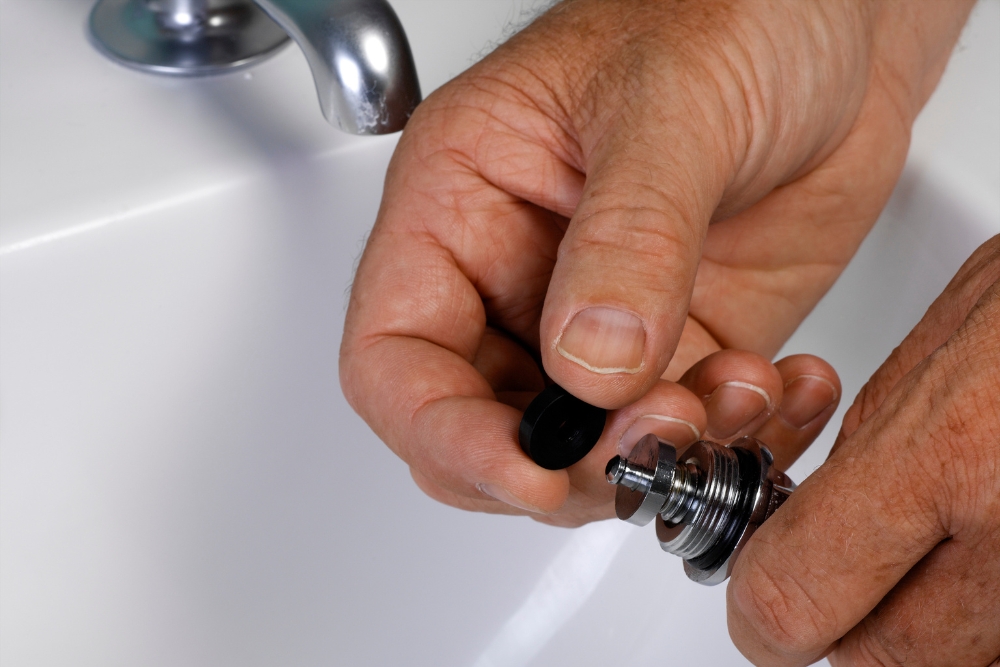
707,505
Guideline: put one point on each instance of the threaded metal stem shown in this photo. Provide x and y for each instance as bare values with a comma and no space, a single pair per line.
683,498
704,505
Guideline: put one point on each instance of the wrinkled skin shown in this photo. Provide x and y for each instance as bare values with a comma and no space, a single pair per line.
890,553
640,200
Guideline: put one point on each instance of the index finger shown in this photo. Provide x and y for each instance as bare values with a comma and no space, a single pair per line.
843,540
450,251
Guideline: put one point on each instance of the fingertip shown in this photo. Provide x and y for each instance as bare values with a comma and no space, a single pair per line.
797,365
812,392
527,486
735,407
739,389
604,340
810,396
732,365
468,446
668,410
458,501
675,431
599,355
806,397
616,303
498,492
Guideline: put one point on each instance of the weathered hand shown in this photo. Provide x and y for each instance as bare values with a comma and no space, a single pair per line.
551,208
889,554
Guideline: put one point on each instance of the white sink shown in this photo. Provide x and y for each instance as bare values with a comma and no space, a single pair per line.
181,480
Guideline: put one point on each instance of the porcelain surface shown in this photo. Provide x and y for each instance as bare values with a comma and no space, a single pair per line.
181,480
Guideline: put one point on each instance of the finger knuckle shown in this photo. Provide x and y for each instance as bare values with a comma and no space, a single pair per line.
653,199
783,614
866,650
639,250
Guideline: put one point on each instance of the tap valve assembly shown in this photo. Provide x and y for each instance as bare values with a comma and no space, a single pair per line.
706,505
707,500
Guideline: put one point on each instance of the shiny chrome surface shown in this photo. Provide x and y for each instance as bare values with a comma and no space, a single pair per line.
360,58
707,505
644,480
357,50
716,496
771,492
184,37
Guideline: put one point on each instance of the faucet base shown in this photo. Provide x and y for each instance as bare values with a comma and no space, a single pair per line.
185,38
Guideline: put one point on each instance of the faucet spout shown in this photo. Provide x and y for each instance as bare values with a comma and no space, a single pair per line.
357,49
360,59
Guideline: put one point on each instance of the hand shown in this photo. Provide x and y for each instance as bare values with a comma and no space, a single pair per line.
551,207
889,554
728,394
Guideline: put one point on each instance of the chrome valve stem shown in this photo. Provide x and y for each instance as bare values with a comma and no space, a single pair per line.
707,505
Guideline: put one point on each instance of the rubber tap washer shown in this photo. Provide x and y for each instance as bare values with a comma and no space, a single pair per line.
558,429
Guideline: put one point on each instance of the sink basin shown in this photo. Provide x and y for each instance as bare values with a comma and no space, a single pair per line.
181,480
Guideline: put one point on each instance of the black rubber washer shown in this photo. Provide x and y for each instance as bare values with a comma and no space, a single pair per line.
558,429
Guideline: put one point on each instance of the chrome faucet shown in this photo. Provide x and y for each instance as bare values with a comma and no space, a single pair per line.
357,49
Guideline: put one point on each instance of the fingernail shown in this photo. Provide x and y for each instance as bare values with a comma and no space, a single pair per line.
677,432
604,340
732,406
501,494
805,398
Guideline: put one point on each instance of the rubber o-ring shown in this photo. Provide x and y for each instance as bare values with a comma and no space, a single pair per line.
558,429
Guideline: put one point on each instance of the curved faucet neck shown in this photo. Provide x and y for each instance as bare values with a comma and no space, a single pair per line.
360,59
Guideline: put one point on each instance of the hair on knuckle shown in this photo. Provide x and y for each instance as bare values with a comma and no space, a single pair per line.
783,613
869,650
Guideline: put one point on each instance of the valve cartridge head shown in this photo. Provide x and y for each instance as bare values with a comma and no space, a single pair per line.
707,501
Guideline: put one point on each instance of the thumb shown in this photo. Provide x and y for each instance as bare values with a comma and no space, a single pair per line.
619,293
